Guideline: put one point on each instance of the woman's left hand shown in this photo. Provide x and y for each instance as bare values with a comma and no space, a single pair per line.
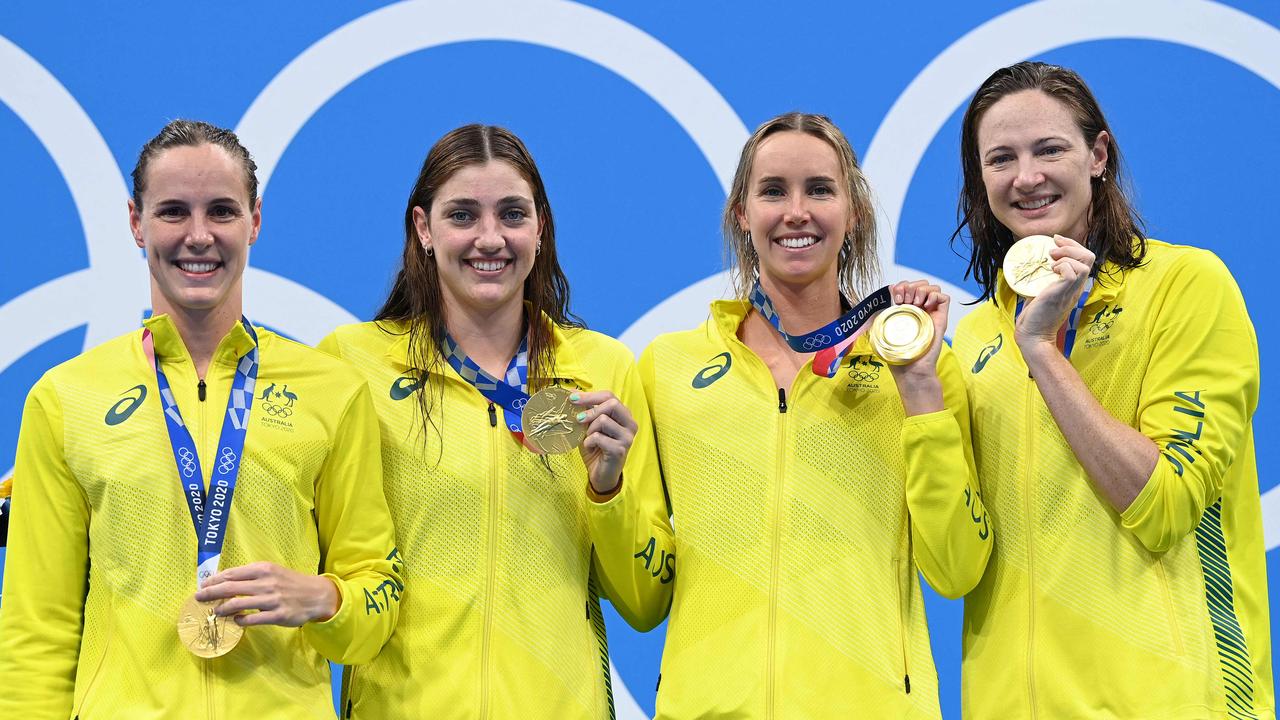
1042,317
610,432
272,595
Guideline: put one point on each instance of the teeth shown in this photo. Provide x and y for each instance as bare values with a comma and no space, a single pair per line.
194,267
1036,204
798,242
488,265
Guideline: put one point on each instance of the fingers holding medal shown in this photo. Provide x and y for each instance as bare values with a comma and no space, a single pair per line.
913,327
610,431
1036,262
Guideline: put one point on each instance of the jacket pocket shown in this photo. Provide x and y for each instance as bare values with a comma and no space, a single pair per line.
1167,595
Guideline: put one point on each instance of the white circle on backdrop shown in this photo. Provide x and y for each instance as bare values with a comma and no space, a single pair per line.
323,70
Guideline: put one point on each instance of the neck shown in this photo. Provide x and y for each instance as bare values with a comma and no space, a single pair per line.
490,337
803,307
200,330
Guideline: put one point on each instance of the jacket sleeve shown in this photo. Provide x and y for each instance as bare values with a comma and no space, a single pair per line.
357,540
46,570
1197,399
631,531
950,532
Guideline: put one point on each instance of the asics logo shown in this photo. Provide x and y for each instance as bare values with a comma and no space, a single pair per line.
404,386
714,371
987,353
125,407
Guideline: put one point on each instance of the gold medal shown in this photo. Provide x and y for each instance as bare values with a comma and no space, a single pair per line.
205,633
902,334
550,422
1027,266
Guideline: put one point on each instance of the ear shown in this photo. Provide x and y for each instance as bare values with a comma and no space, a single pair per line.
1098,161
741,215
135,222
255,221
422,226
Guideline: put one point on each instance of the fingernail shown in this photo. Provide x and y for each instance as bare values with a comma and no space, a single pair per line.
582,416
574,398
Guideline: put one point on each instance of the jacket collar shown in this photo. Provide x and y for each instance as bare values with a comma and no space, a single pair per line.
169,345
568,366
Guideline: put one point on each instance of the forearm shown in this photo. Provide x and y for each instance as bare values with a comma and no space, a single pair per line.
1118,458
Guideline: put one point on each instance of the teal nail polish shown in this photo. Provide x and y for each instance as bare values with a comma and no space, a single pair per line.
582,416
574,398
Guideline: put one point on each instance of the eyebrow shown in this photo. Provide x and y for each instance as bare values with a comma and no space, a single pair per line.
473,203
815,178
1041,141
215,201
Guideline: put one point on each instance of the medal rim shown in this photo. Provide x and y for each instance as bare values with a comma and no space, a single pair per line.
902,354
1028,290
232,630
578,434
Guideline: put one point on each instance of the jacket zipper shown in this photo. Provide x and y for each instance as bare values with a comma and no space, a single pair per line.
348,682
902,627
776,551
1028,483
494,510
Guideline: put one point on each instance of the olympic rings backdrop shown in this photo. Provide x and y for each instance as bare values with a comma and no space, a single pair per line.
636,112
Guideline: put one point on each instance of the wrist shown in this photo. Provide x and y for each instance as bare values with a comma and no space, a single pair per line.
328,599
600,493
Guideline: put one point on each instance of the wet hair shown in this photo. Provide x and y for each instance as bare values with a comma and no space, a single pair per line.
194,133
416,300
858,260
1115,230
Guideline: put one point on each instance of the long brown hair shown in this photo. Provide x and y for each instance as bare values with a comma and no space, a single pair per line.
858,260
1115,230
415,300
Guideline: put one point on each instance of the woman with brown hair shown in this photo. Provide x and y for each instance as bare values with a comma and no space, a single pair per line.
809,484
1112,380
480,375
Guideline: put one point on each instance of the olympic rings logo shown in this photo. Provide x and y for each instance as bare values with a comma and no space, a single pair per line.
817,342
324,69
861,376
226,461
280,411
188,461
1102,327
519,403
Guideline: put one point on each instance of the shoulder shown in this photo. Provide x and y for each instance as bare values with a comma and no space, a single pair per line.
362,336
591,345
1165,262
284,358
107,360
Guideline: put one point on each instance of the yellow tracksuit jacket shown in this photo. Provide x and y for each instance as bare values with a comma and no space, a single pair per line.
802,518
1159,612
102,552
504,620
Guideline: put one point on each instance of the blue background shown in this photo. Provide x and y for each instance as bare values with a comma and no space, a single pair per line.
636,203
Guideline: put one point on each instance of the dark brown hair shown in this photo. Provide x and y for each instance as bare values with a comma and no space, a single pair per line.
415,299
858,260
1115,230
194,133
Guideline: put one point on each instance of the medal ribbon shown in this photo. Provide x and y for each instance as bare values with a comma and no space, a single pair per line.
209,514
1066,333
831,341
510,393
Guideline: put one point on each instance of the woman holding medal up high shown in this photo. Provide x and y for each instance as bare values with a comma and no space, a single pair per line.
1112,379
513,530
198,450
807,489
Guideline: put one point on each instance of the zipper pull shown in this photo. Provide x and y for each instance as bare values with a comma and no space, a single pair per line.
200,389
348,708
782,400
906,680
493,416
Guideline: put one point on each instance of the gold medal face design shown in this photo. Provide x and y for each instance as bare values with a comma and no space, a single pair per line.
205,633
1027,266
550,424
902,334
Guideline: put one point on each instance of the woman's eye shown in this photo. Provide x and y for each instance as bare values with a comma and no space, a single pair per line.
771,191
460,216
514,215
822,190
